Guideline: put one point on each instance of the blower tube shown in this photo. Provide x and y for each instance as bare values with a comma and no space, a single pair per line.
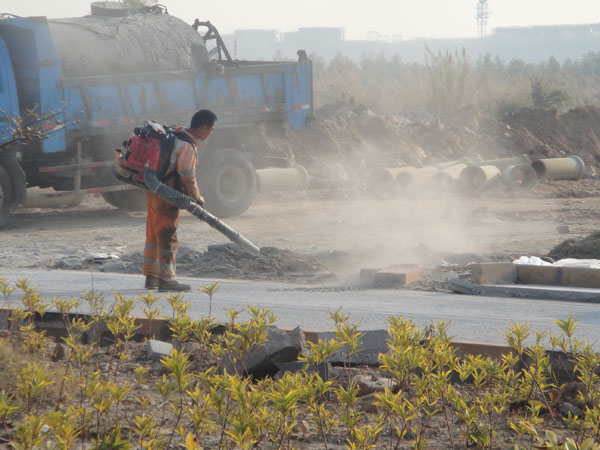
182,201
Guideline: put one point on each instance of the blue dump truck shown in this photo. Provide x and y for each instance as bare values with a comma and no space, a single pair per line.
84,84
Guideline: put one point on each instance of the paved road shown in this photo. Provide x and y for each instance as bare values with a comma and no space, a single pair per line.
472,318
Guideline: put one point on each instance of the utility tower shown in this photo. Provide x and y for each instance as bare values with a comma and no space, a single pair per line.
483,12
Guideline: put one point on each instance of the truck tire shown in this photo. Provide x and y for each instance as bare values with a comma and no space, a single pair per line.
227,182
6,196
133,200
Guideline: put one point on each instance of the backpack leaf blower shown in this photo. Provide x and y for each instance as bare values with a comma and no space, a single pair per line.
143,163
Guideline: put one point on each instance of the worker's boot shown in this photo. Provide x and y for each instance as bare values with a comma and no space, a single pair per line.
151,282
172,286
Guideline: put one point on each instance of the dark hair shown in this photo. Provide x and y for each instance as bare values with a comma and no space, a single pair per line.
203,118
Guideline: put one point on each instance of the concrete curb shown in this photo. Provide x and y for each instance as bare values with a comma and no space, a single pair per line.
544,292
53,324
376,340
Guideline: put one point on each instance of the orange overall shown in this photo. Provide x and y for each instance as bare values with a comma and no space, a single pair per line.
163,218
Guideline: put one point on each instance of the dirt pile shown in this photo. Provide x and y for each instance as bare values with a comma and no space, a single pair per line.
546,134
361,140
585,248
230,262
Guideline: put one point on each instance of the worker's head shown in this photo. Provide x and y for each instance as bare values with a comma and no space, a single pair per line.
202,125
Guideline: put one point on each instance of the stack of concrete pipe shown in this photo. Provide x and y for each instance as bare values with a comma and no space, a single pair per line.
517,173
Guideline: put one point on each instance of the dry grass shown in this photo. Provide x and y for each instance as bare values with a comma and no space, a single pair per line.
449,82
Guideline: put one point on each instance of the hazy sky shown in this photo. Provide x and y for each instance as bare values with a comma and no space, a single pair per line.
416,18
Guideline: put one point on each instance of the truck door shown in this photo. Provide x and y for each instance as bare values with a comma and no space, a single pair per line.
9,103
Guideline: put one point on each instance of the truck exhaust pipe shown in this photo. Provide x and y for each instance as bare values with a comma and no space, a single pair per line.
182,201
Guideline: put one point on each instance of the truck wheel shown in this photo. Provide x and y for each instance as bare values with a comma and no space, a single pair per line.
227,182
6,196
134,200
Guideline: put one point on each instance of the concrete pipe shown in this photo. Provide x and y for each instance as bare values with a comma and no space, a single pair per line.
477,178
521,177
504,162
49,198
445,165
413,176
570,168
381,181
448,177
279,179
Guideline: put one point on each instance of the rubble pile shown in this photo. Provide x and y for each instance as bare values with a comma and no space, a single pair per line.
232,262
547,134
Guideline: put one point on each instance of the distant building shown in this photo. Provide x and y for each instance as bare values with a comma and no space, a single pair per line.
556,31
253,44
532,44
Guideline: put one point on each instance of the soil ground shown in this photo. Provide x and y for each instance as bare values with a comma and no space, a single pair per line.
328,233
316,236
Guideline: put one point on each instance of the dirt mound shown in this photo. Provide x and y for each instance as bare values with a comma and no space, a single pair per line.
230,262
586,248
360,140
546,134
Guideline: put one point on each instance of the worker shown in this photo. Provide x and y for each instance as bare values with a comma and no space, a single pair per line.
163,218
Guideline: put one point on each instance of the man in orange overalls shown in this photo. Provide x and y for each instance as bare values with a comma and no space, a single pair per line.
163,218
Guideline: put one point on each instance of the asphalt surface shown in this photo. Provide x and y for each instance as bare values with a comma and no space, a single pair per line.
472,318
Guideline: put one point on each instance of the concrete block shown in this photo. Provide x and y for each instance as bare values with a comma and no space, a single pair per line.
494,273
367,276
559,276
548,275
580,277
394,276
158,349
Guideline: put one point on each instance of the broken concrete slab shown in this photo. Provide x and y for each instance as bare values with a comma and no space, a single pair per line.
297,366
373,343
493,273
280,346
